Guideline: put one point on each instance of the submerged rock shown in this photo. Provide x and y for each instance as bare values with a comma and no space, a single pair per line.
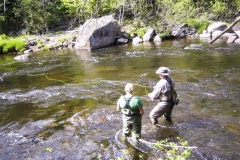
23,57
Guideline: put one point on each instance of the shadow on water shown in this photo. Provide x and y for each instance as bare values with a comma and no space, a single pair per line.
66,100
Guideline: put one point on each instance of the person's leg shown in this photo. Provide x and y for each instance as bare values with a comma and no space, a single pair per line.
126,131
136,127
168,114
157,112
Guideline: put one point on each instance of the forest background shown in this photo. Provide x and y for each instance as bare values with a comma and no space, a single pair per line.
28,17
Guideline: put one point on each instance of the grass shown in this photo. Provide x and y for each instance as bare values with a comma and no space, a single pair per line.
9,44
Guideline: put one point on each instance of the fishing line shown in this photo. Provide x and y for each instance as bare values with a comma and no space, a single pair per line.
87,83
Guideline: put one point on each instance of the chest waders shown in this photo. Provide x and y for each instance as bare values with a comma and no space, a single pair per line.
132,121
174,100
127,106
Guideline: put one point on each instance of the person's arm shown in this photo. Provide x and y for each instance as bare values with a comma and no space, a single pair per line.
140,105
141,111
156,92
118,104
118,108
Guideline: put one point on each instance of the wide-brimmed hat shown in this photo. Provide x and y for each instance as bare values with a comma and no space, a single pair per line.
163,70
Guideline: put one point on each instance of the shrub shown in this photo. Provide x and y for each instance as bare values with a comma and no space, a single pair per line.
3,37
8,45
166,34
140,31
173,149
219,7
199,25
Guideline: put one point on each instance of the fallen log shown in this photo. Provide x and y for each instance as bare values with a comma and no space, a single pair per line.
233,24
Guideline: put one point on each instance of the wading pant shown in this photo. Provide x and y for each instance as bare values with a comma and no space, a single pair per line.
132,125
162,108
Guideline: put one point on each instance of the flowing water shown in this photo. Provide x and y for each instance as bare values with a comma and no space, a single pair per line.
62,104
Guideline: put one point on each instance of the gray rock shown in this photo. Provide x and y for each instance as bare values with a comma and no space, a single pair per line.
220,26
178,30
23,57
157,38
237,41
238,33
137,40
148,36
28,51
231,39
183,35
97,33
216,33
122,41
205,35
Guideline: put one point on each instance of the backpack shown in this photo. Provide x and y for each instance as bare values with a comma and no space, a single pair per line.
127,110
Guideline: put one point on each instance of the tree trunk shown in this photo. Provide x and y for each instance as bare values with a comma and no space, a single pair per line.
233,24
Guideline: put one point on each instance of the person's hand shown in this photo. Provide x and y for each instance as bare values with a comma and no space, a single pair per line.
149,95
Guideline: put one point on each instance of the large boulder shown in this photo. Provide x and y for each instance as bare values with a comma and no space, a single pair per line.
97,33
149,35
137,40
205,35
216,26
237,41
179,30
231,39
238,33
157,38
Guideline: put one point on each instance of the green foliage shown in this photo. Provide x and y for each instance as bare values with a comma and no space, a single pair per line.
36,17
8,45
165,34
140,31
173,11
58,32
237,4
184,8
173,149
49,149
45,48
20,45
199,25
126,152
62,39
3,37
39,41
218,7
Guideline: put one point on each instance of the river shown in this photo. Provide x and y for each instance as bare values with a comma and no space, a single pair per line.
61,104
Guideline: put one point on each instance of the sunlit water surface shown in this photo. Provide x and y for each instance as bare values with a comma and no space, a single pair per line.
66,100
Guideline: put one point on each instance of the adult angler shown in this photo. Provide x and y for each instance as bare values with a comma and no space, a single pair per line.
165,92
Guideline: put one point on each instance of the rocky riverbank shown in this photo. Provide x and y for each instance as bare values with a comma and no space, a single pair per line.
105,31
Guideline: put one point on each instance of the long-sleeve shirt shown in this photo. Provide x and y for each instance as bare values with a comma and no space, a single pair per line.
163,92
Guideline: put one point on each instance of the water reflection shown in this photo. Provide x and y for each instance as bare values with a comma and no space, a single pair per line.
77,117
